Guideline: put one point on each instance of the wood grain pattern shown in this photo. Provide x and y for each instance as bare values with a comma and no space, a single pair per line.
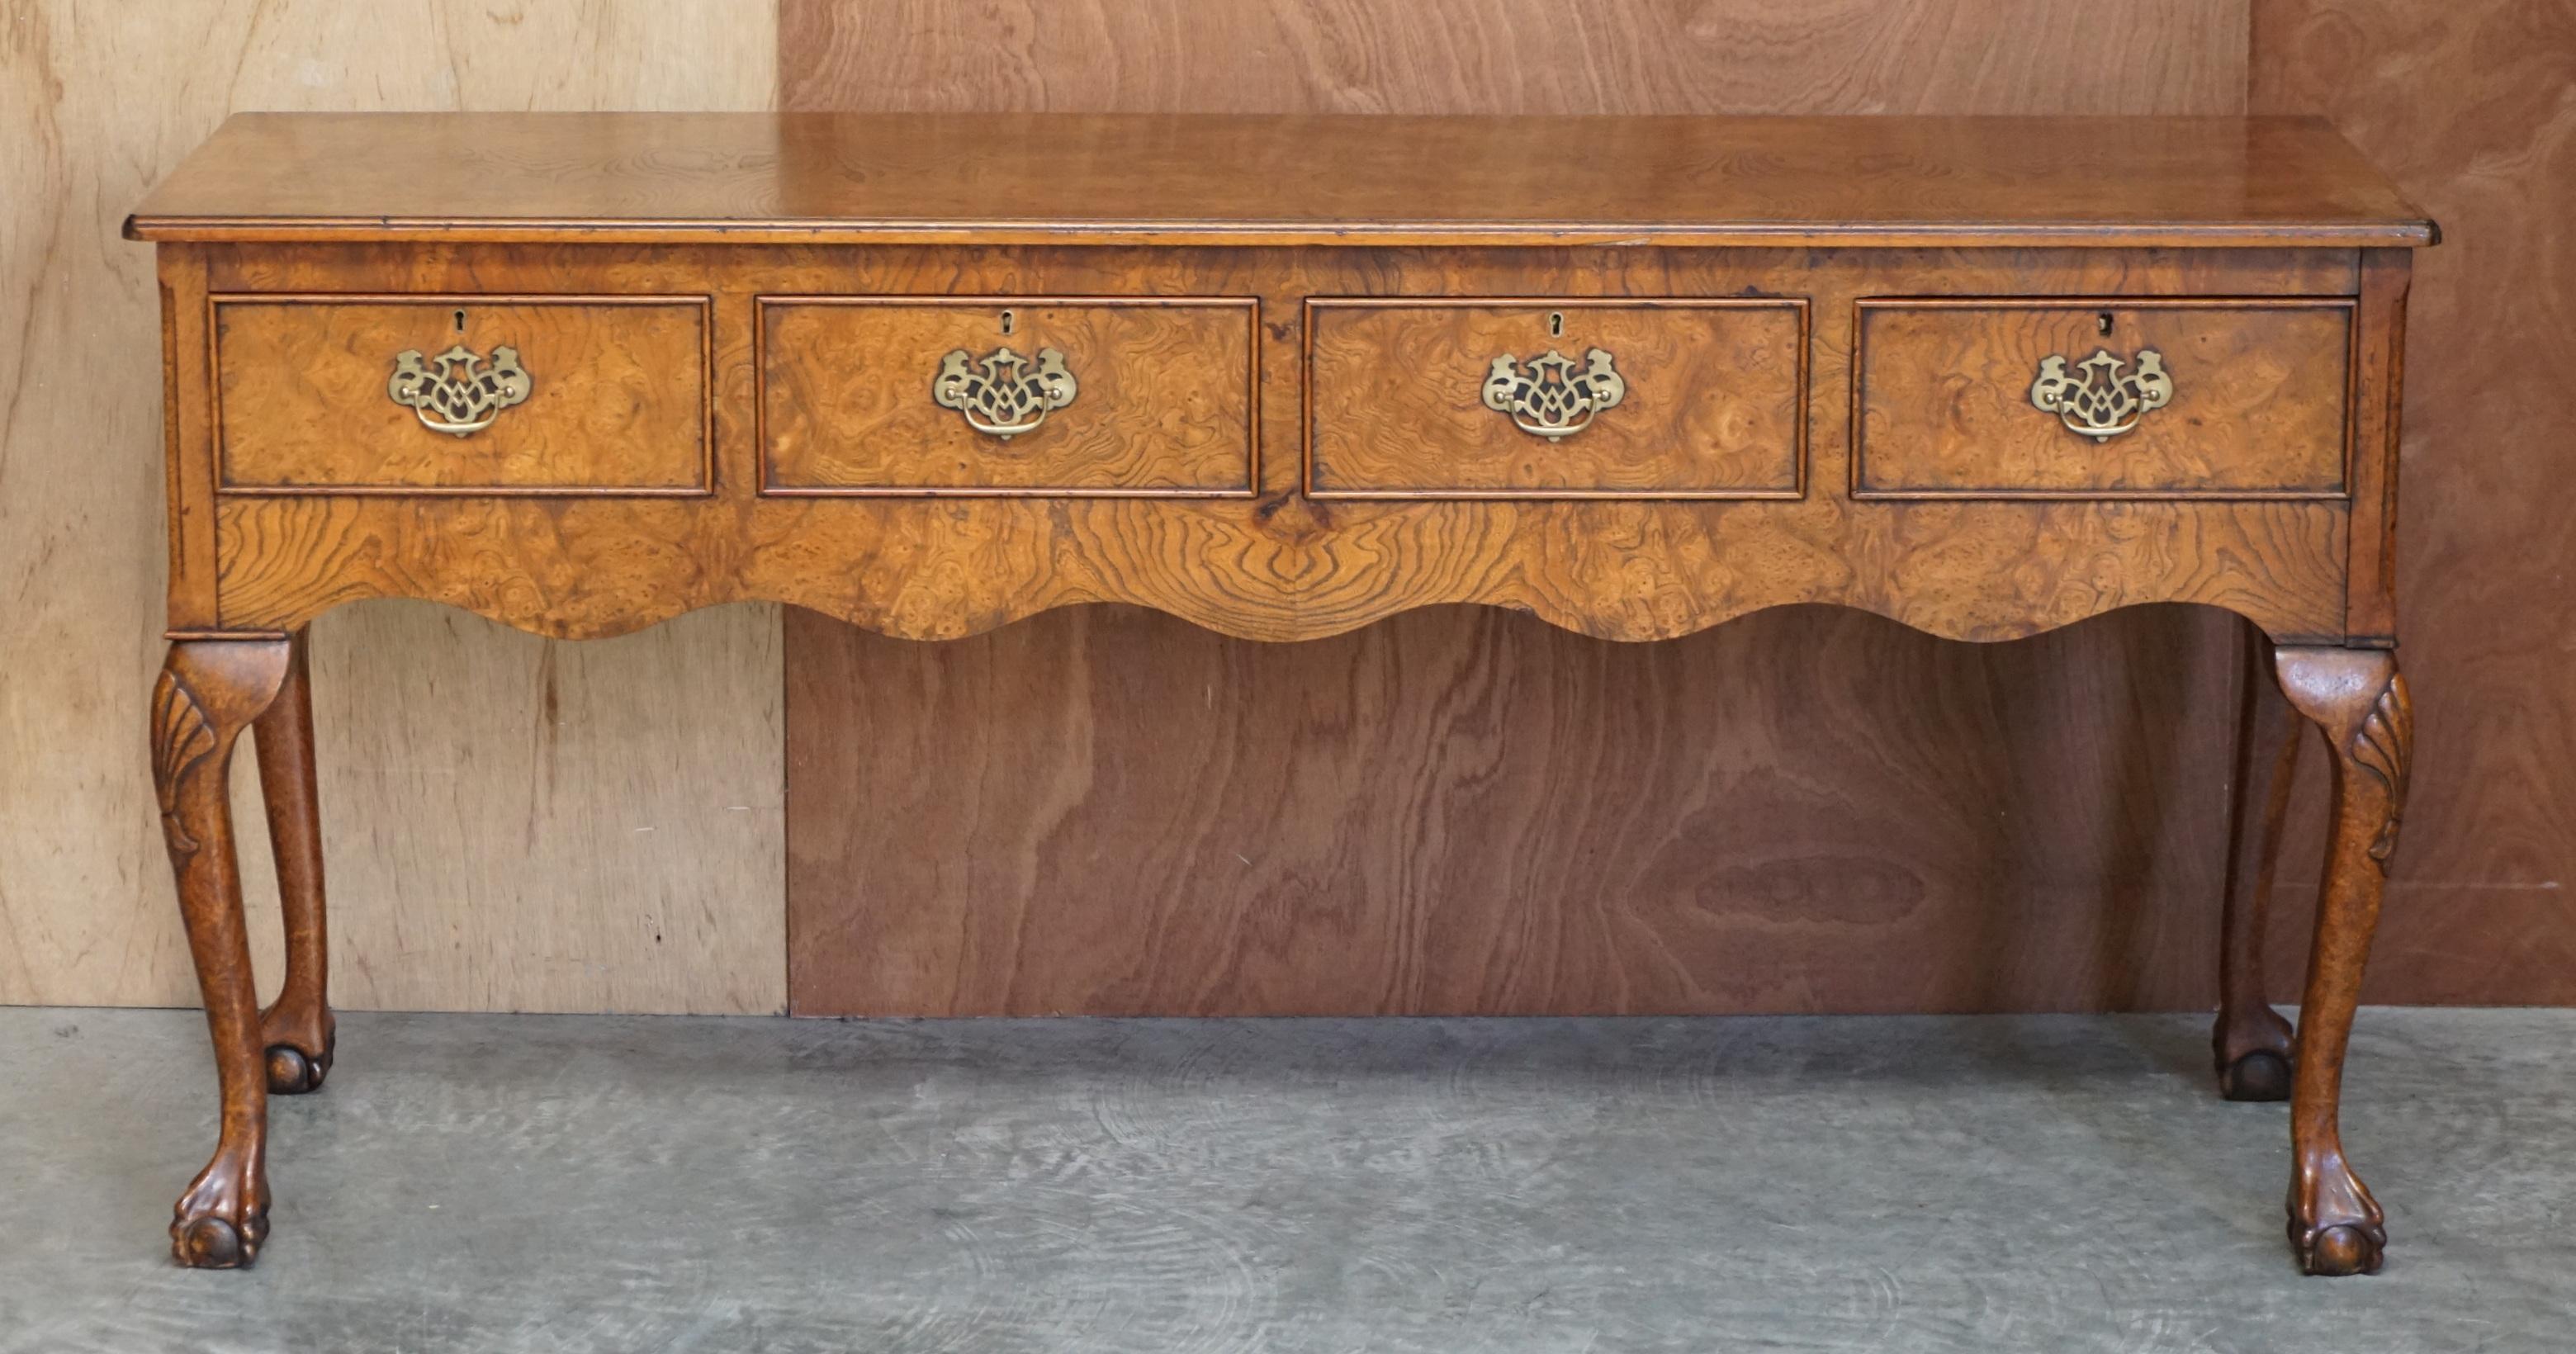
617,398
1712,407
1255,180
1514,56
2465,104
1929,904
1110,812
1163,404
2259,405
553,904
1280,567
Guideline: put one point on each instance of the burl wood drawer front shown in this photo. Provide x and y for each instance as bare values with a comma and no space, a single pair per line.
462,394
1076,397
2102,398
1555,399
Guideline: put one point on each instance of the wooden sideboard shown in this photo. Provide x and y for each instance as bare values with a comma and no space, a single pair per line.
1282,377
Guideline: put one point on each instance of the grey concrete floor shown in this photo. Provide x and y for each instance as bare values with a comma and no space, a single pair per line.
2060,1184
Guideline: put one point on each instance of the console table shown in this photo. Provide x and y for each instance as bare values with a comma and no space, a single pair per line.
1282,377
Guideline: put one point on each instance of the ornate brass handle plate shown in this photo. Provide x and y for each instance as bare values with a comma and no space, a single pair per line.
464,393
1547,397
2106,400
998,394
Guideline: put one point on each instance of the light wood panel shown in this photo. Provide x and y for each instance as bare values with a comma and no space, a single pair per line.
508,827
2468,106
1455,810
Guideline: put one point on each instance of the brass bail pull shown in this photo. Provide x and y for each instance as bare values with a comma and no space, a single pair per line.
2100,397
458,392
1550,396
1001,394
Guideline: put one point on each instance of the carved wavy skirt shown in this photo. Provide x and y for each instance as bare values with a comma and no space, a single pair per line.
1228,535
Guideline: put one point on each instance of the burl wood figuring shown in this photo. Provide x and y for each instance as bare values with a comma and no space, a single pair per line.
1282,377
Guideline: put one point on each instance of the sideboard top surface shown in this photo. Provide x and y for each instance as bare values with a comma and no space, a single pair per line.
1279,180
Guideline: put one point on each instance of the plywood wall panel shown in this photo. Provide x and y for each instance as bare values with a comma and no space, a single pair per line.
1515,56
1461,811
2471,106
509,823
1456,811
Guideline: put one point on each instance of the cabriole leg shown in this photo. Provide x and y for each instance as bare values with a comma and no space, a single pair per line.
2358,698
2250,1040
297,1030
210,689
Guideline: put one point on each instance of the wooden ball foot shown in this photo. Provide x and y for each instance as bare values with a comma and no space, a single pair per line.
290,1072
2259,1075
2343,1249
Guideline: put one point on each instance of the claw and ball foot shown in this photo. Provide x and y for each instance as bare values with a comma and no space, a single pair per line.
2250,1042
222,1219
292,1071
209,691
2358,698
298,1031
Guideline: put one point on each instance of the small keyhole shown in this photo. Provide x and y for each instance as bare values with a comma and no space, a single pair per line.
1556,324
460,322
2102,323
1008,322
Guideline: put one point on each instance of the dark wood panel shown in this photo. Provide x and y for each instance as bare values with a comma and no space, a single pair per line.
1106,811
1513,56
1802,810
2467,106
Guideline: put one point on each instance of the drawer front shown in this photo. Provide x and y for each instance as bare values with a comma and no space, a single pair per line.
2102,398
462,394
1006,396
1555,399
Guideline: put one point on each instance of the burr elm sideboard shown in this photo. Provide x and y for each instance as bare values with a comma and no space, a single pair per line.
1282,377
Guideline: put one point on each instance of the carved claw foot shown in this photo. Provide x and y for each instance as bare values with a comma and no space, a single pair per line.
222,1219
2335,1226
299,1060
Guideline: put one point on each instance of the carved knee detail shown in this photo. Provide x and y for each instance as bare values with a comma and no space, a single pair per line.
2384,746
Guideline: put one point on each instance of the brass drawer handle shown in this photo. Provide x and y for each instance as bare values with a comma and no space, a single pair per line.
1547,397
2102,403
998,395
464,394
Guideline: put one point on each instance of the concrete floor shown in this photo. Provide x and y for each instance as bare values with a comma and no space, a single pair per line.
2059,1184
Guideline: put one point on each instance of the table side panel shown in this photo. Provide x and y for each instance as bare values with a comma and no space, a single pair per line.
1281,565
